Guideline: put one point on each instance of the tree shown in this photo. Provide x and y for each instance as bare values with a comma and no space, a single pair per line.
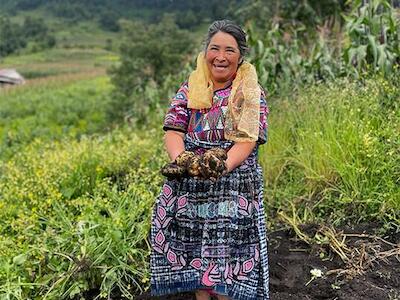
36,31
70,10
109,21
14,37
10,37
34,28
308,12
28,4
148,55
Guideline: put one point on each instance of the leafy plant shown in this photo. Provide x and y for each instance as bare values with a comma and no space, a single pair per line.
283,63
150,55
33,113
289,55
373,37
75,216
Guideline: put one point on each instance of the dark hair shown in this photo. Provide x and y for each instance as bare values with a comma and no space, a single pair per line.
231,28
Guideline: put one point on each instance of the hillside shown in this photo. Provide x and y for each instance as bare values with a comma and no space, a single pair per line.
81,145
188,13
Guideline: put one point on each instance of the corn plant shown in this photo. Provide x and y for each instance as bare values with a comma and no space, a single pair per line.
285,62
373,37
288,56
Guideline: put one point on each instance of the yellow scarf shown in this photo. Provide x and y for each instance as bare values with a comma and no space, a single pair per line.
242,117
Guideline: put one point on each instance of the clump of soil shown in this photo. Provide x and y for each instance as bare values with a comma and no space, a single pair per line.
355,265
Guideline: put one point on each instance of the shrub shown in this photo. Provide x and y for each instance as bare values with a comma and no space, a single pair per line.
150,55
75,216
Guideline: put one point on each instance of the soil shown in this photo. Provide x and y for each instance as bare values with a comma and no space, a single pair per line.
372,271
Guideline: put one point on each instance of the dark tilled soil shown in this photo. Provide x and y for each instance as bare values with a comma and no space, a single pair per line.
292,259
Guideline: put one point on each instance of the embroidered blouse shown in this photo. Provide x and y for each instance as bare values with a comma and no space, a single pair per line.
207,124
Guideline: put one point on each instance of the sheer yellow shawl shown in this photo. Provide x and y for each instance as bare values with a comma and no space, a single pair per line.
242,116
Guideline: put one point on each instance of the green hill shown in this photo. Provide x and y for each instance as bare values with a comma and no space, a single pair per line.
187,11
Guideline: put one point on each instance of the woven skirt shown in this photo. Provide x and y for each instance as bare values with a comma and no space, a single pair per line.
211,235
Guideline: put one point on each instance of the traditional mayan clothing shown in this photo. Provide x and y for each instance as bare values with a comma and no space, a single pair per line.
241,117
209,234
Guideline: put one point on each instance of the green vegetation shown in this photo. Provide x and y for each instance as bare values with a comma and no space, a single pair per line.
33,33
151,58
289,56
187,14
310,13
72,111
333,154
61,61
373,34
75,216
75,212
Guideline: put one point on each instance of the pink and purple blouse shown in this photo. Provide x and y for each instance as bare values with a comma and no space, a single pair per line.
207,124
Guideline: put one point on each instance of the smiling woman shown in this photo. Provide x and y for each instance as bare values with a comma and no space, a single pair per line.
222,57
208,231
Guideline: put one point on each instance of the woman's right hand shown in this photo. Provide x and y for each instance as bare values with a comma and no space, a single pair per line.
173,141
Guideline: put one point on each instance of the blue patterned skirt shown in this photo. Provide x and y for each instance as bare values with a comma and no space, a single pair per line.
211,235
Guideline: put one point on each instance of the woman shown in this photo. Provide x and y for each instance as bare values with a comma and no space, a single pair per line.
208,230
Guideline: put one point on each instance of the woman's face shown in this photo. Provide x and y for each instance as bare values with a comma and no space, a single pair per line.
222,57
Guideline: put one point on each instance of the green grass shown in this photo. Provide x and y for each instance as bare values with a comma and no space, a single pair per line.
60,61
333,153
59,55
39,112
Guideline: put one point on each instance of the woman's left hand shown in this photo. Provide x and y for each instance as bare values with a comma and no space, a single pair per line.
213,163
238,154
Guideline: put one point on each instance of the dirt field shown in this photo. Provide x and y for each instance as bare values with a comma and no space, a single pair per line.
371,271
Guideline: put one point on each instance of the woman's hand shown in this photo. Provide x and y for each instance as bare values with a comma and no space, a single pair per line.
213,163
173,141
238,154
174,144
